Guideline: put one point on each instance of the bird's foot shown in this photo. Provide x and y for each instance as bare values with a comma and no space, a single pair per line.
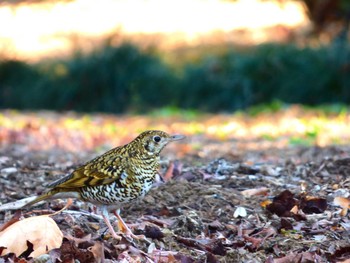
111,233
128,234
131,236
126,231
116,236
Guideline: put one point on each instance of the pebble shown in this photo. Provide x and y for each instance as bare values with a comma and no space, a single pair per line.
8,170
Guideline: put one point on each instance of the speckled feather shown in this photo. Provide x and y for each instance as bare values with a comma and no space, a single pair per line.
119,175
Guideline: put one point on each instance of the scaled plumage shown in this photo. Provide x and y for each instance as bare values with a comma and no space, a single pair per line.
120,175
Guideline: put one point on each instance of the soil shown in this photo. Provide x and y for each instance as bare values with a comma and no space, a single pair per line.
215,204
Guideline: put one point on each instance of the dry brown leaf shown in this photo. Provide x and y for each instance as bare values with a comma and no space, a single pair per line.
344,203
344,212
41,231
98,251
311,204
265,203
282,204
295,209
171,258
255,191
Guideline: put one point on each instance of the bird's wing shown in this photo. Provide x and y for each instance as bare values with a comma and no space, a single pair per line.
101,170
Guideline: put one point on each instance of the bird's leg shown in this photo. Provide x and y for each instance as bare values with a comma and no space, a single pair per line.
123,228
108,223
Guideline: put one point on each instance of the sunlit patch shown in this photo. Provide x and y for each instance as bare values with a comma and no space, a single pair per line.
293,126
33,31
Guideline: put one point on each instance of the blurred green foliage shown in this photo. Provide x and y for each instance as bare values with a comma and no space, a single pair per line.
108,80
267,73
126,79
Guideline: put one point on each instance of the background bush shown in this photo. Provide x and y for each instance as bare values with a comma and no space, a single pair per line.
237,80
124,78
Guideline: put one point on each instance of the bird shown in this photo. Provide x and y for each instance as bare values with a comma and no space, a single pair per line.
121,175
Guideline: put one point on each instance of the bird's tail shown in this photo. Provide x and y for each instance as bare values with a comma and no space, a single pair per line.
42,197
29,201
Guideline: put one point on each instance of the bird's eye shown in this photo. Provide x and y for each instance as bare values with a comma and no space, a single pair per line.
156,138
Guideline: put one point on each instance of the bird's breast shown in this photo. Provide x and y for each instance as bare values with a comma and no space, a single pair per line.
120,191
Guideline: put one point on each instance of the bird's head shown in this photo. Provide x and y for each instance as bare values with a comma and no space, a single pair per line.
153,142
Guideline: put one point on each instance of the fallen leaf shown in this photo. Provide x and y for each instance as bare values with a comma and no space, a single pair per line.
41,231
255,191
286,224
282,204
98,251
340,254
255,242
153,232
70,252
295,209
310,205
171,258
344,203
265,203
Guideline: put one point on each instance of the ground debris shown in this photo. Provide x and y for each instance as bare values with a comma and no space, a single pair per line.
234,209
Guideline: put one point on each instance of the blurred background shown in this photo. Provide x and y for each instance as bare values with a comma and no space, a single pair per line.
260,88
135,56
181,58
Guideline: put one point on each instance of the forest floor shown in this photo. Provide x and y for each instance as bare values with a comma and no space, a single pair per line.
222,198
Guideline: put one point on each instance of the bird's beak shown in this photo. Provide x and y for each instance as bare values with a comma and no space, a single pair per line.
177,137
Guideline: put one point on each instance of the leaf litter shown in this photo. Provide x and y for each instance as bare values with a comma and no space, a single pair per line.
216,204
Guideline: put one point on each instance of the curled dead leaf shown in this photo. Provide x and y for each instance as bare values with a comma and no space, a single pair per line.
41,231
